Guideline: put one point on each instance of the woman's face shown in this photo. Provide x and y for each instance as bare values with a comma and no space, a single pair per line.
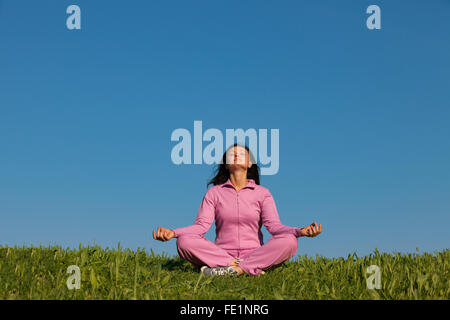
237,158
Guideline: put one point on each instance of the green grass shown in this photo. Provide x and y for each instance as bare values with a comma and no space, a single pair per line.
40,273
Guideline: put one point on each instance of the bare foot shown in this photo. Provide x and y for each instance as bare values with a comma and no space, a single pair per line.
236,267
239,270
234,263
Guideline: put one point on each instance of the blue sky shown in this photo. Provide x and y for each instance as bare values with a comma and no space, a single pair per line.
86,118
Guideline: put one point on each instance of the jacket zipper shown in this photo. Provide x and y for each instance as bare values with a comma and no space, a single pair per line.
237,198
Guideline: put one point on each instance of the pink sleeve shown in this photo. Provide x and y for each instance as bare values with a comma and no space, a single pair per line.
271,219
205,217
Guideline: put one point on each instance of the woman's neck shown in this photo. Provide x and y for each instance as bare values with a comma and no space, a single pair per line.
238,179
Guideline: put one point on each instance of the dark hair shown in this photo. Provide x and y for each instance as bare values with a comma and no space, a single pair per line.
223,174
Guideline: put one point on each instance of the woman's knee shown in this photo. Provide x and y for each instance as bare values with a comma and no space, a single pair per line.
286,242
290,243
293,242
187,241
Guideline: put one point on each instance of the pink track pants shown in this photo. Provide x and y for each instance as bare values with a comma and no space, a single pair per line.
200,251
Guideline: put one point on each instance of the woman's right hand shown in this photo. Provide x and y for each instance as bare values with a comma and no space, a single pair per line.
163,234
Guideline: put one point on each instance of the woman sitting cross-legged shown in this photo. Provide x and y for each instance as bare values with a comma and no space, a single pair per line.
240,206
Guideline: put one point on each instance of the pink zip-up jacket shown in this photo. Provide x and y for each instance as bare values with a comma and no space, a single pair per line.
239,216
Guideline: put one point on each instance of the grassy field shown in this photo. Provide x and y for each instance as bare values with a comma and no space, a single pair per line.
41,273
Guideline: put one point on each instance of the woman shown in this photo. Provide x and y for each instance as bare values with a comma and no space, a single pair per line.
240,206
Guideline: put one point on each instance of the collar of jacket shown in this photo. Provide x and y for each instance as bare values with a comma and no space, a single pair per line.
251,184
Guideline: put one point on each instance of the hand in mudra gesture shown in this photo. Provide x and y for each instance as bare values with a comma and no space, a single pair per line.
163,234
312,230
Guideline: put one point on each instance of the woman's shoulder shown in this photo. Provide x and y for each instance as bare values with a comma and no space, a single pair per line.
264,191
213,190
261,188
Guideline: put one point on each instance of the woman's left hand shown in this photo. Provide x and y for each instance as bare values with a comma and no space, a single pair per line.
312,230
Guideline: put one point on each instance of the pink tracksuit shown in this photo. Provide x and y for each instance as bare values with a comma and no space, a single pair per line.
239,216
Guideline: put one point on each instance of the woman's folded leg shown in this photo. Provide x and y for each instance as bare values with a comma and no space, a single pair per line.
200,251
278,249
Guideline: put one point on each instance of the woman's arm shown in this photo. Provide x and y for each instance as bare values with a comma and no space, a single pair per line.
205,217
271,219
